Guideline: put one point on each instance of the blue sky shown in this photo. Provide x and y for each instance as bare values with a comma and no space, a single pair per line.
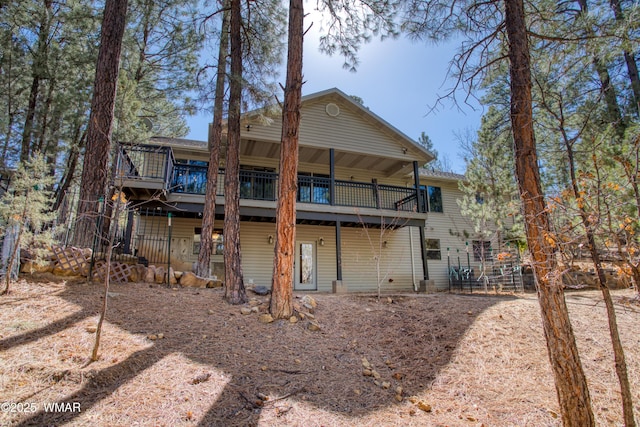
398,80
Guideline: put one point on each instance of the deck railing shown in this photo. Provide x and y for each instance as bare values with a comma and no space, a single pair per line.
150,162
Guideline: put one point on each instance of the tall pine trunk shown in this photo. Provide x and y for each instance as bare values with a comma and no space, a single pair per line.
629,59
234,292
96,159
281,305
571,384
618,350
215,141
38,74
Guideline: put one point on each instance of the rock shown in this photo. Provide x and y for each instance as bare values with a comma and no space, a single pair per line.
160,275
366,363
254,302
390,300
375,374
34,267
386,385
255,309
190,280
398,398
150,275
160,336
398,376
293,319
313,326
210,312
91,329
265,318
245,310
172,277
137,273
308,307
260,290
367,372
357,392
152,337
424,406
178,274
399,390
309,315
309,300
214,283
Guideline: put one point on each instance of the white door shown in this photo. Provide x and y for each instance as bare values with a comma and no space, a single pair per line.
305,266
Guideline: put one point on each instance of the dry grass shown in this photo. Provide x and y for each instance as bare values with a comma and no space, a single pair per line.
475,360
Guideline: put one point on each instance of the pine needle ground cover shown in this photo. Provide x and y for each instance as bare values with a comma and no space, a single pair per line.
183,357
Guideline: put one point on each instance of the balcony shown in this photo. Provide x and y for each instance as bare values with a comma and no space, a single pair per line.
154,168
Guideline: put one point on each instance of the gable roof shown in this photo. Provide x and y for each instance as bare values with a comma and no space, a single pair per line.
331,119
368,115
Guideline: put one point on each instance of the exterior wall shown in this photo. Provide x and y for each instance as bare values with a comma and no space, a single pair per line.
348,130
451,228
358,252
397,271
359,265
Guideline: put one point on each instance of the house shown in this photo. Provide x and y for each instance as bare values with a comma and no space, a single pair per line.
364,211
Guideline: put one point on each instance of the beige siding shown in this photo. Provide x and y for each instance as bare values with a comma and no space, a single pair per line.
349,131
359,266
453,230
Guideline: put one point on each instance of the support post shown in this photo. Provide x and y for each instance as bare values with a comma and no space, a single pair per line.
338,286
425,266
169,249
128,232
416,179
332,177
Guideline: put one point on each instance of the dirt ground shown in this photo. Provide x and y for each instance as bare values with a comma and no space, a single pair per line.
430,360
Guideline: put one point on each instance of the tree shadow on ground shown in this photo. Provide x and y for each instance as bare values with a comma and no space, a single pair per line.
407,342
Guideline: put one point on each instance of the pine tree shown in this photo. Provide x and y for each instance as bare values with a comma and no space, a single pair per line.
25,215
281,304
96,159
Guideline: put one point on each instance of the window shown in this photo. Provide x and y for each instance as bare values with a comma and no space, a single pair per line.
435,199
432,247
218,241
482,250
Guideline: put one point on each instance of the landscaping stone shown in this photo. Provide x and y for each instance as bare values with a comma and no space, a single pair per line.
260,290
265,318
190,280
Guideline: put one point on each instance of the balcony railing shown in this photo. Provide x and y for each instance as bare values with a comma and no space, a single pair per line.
146,162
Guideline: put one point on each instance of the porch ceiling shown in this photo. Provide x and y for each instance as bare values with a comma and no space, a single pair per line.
386,166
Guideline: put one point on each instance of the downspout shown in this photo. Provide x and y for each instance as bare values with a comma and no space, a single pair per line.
413,267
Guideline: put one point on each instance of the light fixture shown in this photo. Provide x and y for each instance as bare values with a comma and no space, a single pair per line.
215,235
404,150
384,244
321,241
270,239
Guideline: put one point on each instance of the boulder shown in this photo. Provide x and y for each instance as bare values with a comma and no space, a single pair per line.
214,283
160,275
260,290
190,280
172,277
150,274
34,267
